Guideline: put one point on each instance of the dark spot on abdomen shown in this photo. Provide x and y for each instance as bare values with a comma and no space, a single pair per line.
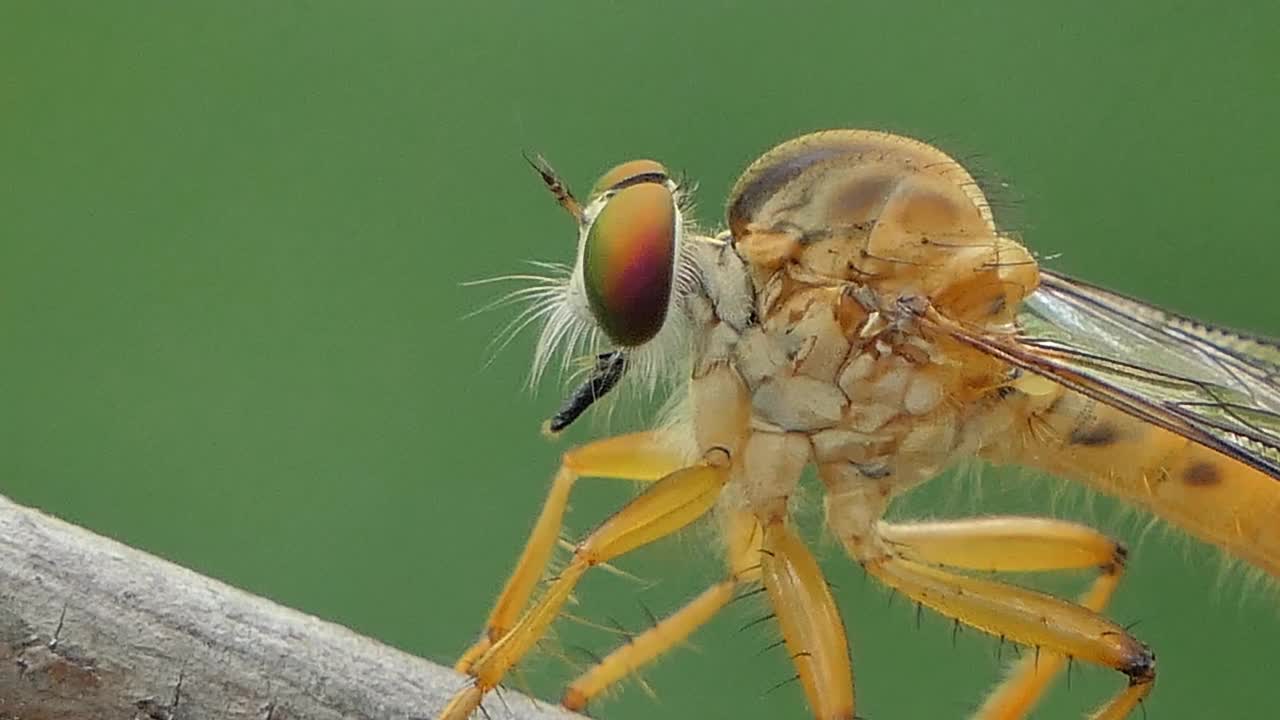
1201,473
1099,435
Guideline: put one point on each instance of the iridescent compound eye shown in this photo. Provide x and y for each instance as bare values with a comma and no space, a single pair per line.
632,172
630,251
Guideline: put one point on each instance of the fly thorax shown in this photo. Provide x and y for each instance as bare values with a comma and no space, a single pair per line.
873,209
867,388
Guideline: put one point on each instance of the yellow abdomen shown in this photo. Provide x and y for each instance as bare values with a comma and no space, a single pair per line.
1209,495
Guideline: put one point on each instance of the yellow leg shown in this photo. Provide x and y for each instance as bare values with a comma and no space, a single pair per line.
1014,544
744,537
810,622
637,456
665,507
1026,617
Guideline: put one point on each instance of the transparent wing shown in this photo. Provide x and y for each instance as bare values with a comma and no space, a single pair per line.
1217,387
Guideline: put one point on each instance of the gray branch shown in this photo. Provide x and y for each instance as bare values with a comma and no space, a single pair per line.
90,628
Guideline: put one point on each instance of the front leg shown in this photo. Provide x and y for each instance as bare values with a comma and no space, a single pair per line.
664,508
641,456
743,544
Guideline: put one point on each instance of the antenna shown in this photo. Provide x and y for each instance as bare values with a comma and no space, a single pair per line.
556,186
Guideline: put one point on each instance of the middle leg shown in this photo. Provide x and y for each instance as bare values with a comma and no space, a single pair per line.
810,622
811,625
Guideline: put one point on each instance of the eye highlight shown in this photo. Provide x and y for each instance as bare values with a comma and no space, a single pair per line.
629,252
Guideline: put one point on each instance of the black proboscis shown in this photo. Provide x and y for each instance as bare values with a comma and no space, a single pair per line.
610,367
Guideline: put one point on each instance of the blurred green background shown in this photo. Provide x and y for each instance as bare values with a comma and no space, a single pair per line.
232,236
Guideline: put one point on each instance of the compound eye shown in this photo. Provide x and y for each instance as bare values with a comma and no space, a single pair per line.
632,172
629,254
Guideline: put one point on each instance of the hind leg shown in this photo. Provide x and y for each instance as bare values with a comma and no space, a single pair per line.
1017,544
910,559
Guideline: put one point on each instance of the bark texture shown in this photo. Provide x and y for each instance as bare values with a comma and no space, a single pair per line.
91,628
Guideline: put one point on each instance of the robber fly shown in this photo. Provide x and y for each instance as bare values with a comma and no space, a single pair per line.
864,314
